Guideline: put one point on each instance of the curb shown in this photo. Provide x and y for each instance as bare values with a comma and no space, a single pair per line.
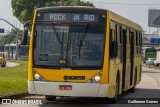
152,68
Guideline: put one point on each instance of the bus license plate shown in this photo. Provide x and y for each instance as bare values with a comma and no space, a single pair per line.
65,87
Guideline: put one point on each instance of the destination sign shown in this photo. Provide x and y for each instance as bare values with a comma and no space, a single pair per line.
68,17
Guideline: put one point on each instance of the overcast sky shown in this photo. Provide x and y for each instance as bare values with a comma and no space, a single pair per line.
135,10
6,13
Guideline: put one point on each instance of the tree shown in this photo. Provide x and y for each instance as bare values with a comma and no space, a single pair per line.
23,10
10,37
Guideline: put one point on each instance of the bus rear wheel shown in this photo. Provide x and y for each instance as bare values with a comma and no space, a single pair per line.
50,98
135,80
157,65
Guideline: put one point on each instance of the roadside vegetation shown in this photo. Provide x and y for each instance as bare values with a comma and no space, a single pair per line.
151,66
13,80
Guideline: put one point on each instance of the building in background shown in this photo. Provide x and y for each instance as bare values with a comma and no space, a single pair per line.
151,40
10,51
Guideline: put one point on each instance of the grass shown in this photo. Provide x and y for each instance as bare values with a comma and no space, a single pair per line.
13,80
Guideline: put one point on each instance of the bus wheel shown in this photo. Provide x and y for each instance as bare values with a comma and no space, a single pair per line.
4,65
157,65
113,100
135,79
50,98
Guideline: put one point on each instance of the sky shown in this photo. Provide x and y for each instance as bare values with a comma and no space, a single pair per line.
135,10
6,13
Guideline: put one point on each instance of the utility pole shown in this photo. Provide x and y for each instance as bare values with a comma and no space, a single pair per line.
62,2
16,36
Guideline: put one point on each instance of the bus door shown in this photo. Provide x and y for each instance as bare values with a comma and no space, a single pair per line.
131,56
124,34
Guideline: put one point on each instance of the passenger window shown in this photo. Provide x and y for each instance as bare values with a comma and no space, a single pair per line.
128,36
136,38
118,34
139,39
112,35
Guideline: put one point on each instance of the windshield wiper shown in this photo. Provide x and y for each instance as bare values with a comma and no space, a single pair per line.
83,37
62,45
59,40
84,34
57,35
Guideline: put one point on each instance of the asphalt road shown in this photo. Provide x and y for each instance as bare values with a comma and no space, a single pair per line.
148,89
9,64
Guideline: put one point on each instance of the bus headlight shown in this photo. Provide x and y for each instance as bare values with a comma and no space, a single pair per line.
37,77
96,78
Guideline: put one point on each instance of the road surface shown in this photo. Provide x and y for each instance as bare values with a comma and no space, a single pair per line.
9,64
148,89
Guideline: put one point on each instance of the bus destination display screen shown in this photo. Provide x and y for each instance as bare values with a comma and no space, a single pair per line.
68,17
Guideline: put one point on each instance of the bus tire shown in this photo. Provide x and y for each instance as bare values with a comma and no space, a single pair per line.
113,100
135,80
4,65
50,98
157,65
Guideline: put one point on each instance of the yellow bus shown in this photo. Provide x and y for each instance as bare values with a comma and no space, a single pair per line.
83,52
2,59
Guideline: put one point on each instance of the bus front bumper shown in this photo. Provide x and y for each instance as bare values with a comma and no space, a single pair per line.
78,89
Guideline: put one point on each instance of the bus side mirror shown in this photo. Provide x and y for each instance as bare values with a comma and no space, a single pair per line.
25,36
114,49
27,25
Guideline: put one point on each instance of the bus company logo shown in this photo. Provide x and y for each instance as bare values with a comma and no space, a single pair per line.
6,101
65,77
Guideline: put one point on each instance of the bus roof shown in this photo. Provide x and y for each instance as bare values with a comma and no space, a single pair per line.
113,16
124,21
72,8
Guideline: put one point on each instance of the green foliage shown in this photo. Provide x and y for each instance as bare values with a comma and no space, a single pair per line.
10,37
23,10
77,3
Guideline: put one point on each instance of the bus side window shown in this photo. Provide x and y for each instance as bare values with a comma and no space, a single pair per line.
113,31
136,42
118,34
112,35
128,36
132,37
113,44
140,42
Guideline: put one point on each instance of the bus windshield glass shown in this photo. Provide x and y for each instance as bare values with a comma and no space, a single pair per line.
69,45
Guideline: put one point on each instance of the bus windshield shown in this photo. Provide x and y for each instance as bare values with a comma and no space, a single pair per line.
69,45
